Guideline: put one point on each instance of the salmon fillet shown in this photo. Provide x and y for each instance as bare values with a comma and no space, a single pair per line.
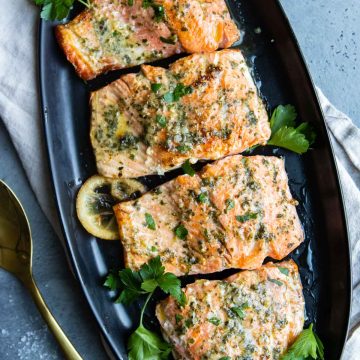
206,106
232,214
251,315
115,34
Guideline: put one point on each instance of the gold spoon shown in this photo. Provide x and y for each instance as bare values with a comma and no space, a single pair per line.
16,257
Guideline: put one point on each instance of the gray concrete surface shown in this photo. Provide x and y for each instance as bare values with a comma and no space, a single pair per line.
329,35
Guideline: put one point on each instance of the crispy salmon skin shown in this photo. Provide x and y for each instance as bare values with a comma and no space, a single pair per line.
251,315
233,214
205,106
116,34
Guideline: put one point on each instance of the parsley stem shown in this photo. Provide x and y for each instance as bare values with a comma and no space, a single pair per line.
85,3
144,307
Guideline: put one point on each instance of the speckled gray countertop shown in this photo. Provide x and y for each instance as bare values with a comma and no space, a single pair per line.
329,35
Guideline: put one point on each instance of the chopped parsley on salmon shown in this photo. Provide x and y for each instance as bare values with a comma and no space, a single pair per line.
251,315
232,214
205,106
116,34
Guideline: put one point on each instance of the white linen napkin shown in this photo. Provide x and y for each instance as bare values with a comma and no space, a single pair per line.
19,110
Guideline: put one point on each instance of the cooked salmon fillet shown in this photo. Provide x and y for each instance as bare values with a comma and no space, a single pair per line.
232,214
206,106
251,315
114,34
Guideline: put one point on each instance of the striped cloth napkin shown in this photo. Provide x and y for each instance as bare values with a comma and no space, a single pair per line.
19,110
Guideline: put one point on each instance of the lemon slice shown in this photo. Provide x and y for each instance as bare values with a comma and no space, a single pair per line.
127,189
95,201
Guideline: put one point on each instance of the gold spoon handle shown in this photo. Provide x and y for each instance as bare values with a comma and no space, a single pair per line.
65,344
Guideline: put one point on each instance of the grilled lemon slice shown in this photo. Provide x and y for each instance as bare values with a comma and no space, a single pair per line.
95,201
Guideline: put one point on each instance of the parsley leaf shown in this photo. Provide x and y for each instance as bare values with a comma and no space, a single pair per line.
246,217
188,169
181,232
161,120
239,310
291,139
230,204
285,134
112,282
57,9
203,198
284,270
305,346
144,344
182,90
146,280
155,87
283,116
214,320
276,281
179,91
150,222
131,282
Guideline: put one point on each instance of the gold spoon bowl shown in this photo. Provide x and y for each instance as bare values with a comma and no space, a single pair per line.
16,257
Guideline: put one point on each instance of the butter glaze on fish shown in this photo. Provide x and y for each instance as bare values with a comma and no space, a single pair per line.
205,106
113,34
251,315
235,212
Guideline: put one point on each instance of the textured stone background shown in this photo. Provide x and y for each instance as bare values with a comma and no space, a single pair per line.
328,32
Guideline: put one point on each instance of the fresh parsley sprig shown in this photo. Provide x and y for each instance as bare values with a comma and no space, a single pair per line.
284,133
143,343
306,346
57,9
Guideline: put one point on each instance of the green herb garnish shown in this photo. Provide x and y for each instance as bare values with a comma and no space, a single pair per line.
150,222
246,217
182,90
145,344
230,204
112,281
275,281
57,9
214,320
188,169
183,149
161,120
179,91
239,310
285,134
203,198
283,270
181,232
155,87
307,346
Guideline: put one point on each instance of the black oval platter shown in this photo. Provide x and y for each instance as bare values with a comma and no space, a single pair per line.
282,78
